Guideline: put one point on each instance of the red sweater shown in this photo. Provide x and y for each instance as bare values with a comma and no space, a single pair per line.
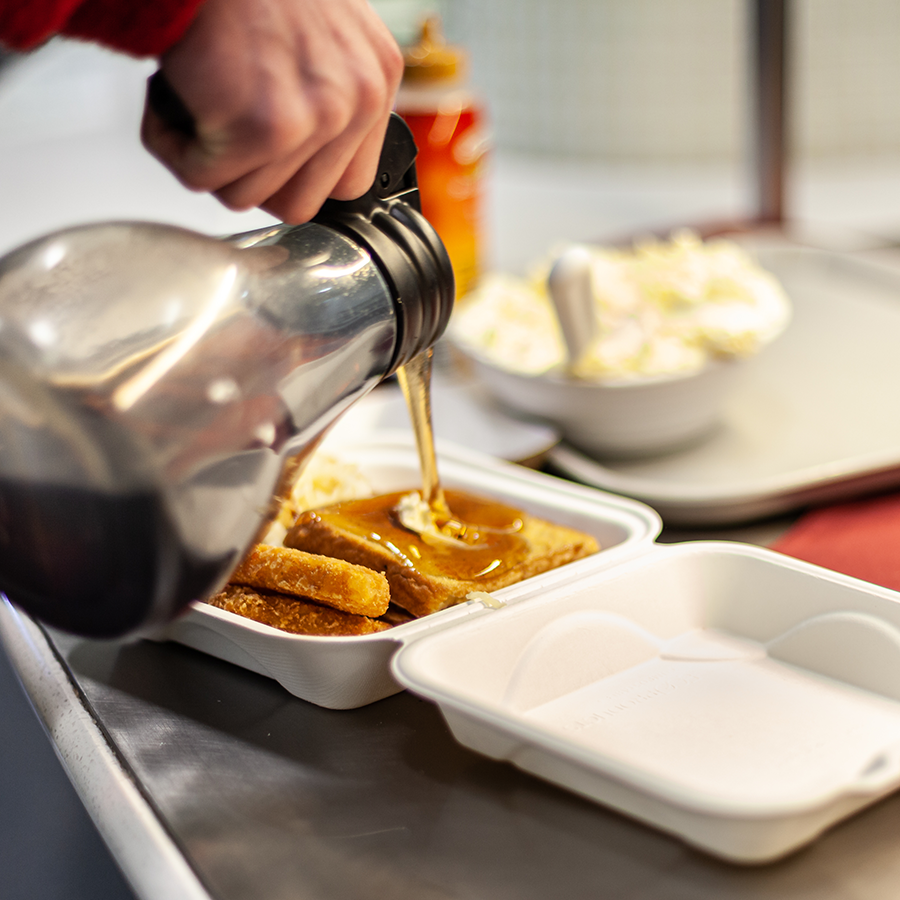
138,27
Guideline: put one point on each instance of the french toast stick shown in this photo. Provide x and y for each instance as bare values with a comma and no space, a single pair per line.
420,574
333,582
292,614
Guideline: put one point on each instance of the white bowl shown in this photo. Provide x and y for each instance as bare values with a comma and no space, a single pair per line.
633,418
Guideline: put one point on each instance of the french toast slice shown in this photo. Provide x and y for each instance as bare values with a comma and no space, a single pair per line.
333,582
292,614
421,574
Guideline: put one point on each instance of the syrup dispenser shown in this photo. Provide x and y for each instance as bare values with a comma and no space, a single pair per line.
156,385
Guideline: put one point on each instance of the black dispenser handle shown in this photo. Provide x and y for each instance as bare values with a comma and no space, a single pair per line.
165,102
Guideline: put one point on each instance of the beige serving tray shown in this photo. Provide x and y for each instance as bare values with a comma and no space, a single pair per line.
815,419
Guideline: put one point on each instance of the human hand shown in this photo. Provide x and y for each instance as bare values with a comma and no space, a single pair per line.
290,101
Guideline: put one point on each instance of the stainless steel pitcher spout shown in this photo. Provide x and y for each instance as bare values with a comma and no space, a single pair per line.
155,383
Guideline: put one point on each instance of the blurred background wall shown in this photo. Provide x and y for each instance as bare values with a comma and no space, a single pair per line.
662,80
619,115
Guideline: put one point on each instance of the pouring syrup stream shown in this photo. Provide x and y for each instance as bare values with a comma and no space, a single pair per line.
415,382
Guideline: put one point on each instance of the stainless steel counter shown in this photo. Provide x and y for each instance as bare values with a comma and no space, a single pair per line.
209,781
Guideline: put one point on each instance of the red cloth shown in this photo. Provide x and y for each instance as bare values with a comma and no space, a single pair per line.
138,27
860,538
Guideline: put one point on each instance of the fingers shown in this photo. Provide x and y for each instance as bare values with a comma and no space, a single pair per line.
290,100
300,198
215,156
293,190
360,171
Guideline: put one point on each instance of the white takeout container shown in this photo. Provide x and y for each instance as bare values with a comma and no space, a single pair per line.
347,672
737,698
731,696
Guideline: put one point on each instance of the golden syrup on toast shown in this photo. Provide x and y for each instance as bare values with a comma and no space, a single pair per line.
492,539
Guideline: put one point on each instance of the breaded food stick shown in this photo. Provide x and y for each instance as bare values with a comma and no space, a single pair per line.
334,582
292,614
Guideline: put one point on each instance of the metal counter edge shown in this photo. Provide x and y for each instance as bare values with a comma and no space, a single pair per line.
148,857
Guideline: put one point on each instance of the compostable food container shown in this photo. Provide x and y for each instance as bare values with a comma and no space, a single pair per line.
729,695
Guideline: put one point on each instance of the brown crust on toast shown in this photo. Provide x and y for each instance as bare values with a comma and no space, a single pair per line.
334,582
292,614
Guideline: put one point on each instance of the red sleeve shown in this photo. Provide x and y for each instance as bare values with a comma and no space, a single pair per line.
26,23
138,27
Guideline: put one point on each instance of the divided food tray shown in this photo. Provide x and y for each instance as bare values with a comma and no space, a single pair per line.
726,694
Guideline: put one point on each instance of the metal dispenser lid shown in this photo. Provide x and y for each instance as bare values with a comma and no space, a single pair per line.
387,220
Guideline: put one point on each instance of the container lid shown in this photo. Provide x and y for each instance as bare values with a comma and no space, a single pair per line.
738,699
431,58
